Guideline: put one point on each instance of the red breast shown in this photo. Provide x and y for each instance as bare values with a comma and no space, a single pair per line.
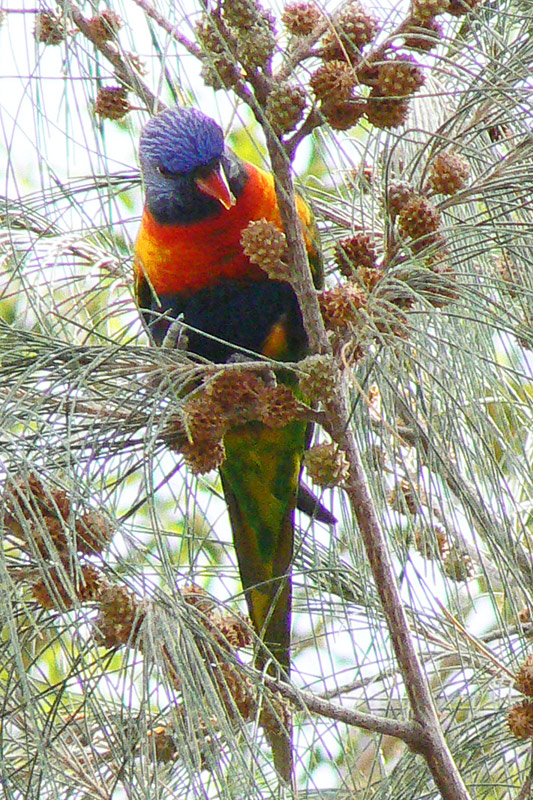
186,258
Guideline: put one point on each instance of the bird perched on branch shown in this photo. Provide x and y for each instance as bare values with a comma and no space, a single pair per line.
189,261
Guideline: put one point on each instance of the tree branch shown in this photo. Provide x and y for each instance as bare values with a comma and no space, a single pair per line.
435,750
433,745
124,69
412,733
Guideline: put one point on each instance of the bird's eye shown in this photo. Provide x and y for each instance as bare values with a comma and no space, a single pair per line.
167,173
206,169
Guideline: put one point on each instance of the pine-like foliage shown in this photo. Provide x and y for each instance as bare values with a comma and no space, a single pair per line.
124,652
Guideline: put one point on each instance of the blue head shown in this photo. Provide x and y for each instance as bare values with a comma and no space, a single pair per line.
185,166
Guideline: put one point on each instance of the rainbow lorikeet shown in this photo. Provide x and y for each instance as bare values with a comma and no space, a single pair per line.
189,261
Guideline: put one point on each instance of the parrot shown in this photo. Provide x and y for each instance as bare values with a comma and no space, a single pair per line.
189,263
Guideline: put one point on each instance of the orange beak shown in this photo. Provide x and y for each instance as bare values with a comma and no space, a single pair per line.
216,185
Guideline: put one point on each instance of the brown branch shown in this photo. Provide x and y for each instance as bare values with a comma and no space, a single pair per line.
172,30
122,65
525,791
435,749
312,121
432,743
301,277
409,732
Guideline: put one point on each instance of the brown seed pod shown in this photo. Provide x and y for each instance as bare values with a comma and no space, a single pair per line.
112,102
265,245
214,36
234,393
246,14
104,27
342,115
203,417
279,406
257,45
93,532
220,68
196,596
236,690
458,8
203,450
236,630
319,377
520,720
449,173
49,28
386,112
419,218
61,586
285,106
355,27
220,73
43,517
422,35
399,77
398,193
370,277
231,631
231,398
37,514
427,9
301,18
119,618
327,465
333,82
524,677
355,251
341,304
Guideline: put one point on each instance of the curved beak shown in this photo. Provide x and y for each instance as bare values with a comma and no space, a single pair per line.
216,185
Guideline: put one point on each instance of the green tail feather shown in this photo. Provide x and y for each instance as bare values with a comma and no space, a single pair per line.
260,478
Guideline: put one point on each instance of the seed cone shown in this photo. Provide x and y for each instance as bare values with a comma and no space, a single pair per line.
520,720
333,82
449,173
419,218
112,102
301,18
386,112
524,677
285,106
354,29
327,465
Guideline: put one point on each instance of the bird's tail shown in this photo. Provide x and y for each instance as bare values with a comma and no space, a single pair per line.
260,479
269,602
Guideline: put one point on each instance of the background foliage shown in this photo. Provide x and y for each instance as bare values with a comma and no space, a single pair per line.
442,411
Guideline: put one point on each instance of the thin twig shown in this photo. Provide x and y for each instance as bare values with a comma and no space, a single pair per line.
124,69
